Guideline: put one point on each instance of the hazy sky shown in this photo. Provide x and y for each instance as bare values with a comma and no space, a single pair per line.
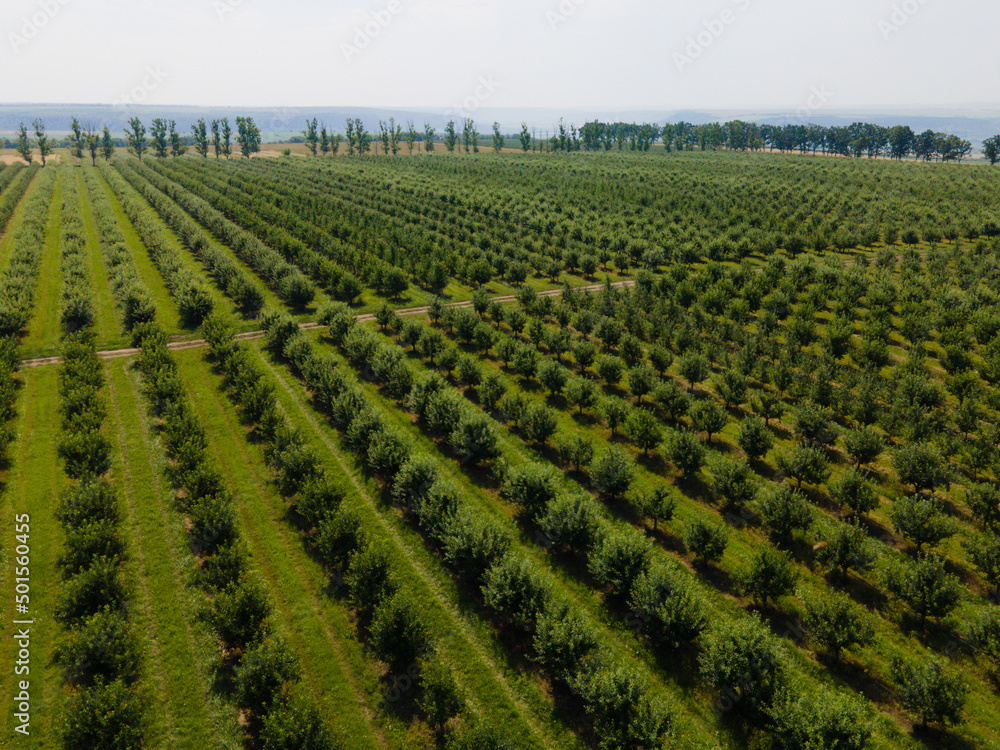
666,54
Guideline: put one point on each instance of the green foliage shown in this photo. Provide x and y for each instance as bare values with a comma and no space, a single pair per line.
930,690
240,615
624,715
921,520
619,559
920,465
562,639
835,623
742,659
613,472
440,698
515,589
708,417
666,608
848,548
107,716
984,552
643,429
685,451
804,464
398,631
822,720
531,487
263,675
784,511
732,482
770,574
754,438
925,586
296,724
855,492
706,541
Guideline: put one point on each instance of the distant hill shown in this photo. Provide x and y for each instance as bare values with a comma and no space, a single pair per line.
974,123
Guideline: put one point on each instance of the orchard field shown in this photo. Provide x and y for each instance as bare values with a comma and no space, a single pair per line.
540,451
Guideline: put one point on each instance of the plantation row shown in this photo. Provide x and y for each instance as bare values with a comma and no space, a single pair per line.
618,560
783,511
914,518
17,284
284,278
262,663
99,656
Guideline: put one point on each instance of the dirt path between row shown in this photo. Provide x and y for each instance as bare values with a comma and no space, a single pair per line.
366,318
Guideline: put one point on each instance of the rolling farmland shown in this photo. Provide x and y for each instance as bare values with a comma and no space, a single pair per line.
548,451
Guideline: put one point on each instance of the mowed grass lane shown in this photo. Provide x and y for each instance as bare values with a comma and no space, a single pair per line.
106,323
166,311
319,629
495,685
44,329
17,217
179,649
34,483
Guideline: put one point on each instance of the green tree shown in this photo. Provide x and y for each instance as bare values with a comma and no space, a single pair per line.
263,676
853,491
216,139
743,659
576,450
804,464
768,406
619,559
658,504
667,609
200,132
708,417
398,631
136,135
311,135
107,144
754,438
770,574
450,136
247,136
616,412
43,141
826,719
296,724
685,451
863,445
644,429
177,148
835,623
784,511
921,520
158,138
624,715
93,143
694,368
498,140
613,472
920,465
430,135
984,552
23,144
731,387
525,137
706,541
227,138
925,586
76,141
108,716
930,690
732,482
848,547
539,423
440,698
991,149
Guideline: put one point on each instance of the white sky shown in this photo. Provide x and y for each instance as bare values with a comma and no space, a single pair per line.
543,53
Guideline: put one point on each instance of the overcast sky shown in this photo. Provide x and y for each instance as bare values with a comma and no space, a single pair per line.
663,54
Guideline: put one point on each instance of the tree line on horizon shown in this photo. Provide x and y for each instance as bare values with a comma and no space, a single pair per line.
858,140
